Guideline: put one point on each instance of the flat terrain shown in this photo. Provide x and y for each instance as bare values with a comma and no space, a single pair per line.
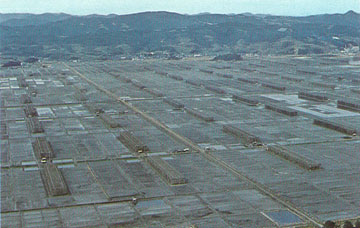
160,143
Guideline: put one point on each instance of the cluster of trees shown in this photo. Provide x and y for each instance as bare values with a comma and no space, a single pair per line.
347,224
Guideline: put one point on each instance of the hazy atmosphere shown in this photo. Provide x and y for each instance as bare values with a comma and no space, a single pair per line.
180,113
279,7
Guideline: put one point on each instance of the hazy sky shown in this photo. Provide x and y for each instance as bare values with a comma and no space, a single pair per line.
277,7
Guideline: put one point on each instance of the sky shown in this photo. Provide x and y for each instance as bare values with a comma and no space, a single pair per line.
275,7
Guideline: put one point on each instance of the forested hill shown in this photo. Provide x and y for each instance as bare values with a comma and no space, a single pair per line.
165,33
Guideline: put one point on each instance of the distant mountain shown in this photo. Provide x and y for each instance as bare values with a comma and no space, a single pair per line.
10,16
167,34
13,20
350,18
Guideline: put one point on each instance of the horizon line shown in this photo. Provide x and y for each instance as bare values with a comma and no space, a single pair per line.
164,11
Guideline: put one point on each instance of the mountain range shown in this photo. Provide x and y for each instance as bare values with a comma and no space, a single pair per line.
171,34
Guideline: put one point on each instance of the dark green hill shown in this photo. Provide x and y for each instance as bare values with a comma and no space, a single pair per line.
171,33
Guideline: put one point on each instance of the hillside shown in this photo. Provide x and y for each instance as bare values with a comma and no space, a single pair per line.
164,34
